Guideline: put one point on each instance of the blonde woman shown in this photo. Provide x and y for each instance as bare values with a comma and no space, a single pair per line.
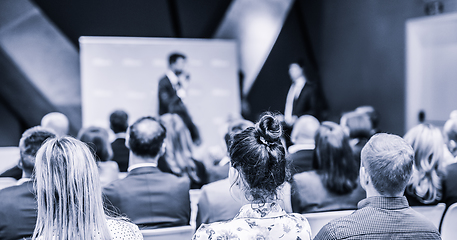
178,158
425,186
69,195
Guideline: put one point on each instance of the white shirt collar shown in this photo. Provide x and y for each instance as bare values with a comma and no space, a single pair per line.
140,165
22,180
297,147
120,135
224,161
172,77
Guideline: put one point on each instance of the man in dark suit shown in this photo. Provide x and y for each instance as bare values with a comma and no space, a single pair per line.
302,96
18,206
301,153
119,123
172,90
148,196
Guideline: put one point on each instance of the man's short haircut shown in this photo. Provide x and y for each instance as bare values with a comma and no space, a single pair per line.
146,137
30,142
174,57
389,161
305,127
119,121
56,121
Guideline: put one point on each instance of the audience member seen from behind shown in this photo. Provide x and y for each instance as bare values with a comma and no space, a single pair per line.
119,124
387,162
301,153
97,139
69,195
178,158
55,121
450,133
333,185
216,202
148,196
18,205
372,114
426,184
258,170
360,130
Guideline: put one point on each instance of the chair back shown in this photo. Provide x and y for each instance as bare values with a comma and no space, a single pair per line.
434,213
448,228
194,195
318,220
170,233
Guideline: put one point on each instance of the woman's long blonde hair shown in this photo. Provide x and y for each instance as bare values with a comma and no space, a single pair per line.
428,144
179,147
69,195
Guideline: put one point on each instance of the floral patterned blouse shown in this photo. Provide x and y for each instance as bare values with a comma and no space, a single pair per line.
258,222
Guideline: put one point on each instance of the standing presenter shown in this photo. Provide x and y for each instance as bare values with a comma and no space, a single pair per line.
172,91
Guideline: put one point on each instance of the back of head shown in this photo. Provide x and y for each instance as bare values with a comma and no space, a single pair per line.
57,122
450,135
305,128
146,137
389,160
333,159
371,112
259,156
428,145
119,121
97,139
30,142
359,125
235,127
69,195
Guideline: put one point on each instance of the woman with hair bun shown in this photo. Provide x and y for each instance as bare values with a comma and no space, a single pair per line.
426,184
69,195
257,173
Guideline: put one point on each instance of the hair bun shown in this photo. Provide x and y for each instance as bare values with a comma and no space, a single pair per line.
269,129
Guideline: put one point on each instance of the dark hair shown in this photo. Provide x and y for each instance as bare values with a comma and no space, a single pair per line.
333,159
259,155
389,161
359,125
174,57
97,139
30,142
119,121
146,137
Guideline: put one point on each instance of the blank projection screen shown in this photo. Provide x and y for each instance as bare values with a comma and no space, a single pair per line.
123,73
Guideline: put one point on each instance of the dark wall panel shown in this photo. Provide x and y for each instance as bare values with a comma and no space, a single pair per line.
141,18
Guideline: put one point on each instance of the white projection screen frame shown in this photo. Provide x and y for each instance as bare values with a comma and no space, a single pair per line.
123,73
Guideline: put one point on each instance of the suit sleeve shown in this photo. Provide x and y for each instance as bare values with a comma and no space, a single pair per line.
167,96
111,199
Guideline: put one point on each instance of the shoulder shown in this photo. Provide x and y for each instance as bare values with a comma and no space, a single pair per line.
289,226
123,230
306,178
220,184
